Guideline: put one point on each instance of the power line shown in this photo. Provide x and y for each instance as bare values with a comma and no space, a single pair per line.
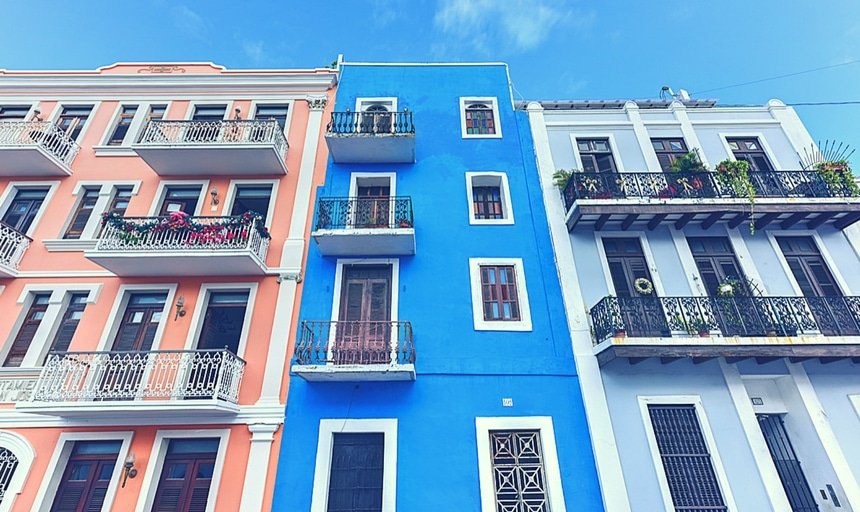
823,103
779,76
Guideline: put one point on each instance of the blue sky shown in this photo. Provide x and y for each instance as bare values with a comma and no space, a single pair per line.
557,49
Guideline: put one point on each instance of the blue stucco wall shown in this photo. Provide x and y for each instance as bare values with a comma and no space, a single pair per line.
461,373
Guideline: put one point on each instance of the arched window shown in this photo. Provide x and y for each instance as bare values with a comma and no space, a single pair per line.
8,465
376,119
16,457
479,119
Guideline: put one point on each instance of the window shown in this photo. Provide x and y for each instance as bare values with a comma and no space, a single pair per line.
808,266
186,475
180,199
685,458
209,112
8,465
252,198
14,112
356,474
83,212
519,478
140,321
489,198
24,208
86,478
156,113
69,323
73,119
668,150
223,320
750,150
126,116
27,331
499,297
596,155
276,112
119,201
479,117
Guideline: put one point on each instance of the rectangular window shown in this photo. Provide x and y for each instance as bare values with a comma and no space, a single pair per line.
186,475
668,150
596,155
252,198
487,202
86,478
489,198
180,199
223,320
24,207
69,323
686,460
73,119
808,266
750,151
479,118
499,293
499,296
27,331
209,112
126,116
140,321
356,472
276,112
14,112
156,112
89,198
519,478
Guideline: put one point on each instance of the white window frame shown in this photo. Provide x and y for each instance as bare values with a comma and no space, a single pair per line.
716,461
730,155
361,104
822,249
231,196
155,464
192,107
274,101
505,189
494,104
206,290
354,179
23,451
855,400
161,193
322,468
613,147
525,322
14,186
338,282
646,251
134,130
60,458
543,424
60,105
118,310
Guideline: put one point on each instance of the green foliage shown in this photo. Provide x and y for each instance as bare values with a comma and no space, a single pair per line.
561,177
689,163
734,175
838,177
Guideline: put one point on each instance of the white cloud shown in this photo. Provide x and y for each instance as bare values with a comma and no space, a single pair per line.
519,25
255,50
189,22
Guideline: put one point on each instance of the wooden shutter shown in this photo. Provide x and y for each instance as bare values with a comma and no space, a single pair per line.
356,473
82,214
69,323
27,331
186,475
140,322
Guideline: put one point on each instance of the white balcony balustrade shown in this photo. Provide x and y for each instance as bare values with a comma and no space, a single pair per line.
80,383
229,147
13,245
35,149
181,245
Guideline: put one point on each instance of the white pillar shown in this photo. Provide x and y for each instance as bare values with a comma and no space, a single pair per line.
256,474
792,127
642,137
687,130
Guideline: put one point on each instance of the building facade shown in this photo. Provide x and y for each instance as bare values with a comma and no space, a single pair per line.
144,355
713,305
432,369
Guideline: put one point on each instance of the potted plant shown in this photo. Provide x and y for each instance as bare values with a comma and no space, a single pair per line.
700,327
404,223
620,332
838,177
733,177
561,177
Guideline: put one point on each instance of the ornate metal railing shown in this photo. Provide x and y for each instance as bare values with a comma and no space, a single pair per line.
355,342
371,123
43,134
147,234
648,316
13,245
153,375
694,185
204,133
364,213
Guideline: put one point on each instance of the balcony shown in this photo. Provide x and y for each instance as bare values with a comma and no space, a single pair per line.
220,148
13,245
355,351
649,199
371,137
81,383
31,149
736,328
179,245
364,226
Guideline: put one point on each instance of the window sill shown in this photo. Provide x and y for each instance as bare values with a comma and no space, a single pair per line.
521,326
62,245
494,136
114,151
491,222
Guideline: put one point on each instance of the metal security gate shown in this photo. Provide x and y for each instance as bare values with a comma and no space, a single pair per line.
790,473
8,465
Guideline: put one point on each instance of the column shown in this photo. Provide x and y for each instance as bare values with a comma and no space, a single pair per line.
256,475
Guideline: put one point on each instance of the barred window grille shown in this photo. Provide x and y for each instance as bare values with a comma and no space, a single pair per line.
487,202
479,119
499,293
8,465
519,478
686,460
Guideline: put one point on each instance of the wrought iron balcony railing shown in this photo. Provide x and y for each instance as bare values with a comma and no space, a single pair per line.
651,316
355,342
184,233
153,375
364,213
694,185
204,133
42,134
371,123
13,245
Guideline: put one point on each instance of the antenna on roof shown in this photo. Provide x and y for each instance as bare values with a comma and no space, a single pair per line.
666,93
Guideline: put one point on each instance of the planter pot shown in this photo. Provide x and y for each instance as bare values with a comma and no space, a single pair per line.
771,333
704,334
620,333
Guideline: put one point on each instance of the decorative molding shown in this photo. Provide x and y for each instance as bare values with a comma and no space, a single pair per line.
161,69
317,102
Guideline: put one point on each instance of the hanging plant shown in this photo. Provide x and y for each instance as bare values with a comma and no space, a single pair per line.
561,177
689,162
643,286
227,229
838,177
733,175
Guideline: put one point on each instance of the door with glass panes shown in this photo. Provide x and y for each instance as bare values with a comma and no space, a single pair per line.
641,314
363,334
218,341
87,476
373,206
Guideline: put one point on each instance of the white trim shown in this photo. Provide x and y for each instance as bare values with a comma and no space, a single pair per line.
338,282
9,195
61,104
107,191
688,263
716,462
329,427
161,194
646,251
610,136
118,310
745,259
23,451
525,322
231,196
507,206
758,135
389,100
855,399
155,464
114,122
206,289
355,176
194,103
822,249
62,452
290,103
543,424
494,104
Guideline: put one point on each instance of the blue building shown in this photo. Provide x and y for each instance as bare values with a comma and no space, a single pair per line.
433,367
708,257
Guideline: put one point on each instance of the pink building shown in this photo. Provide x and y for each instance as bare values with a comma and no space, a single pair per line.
144,359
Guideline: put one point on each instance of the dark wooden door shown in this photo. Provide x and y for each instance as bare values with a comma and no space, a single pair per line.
357,470
750,150
791,475
222,329
180,199
364,327
23,208
376,119
373,208
186,475
642,315
27,331
87,476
